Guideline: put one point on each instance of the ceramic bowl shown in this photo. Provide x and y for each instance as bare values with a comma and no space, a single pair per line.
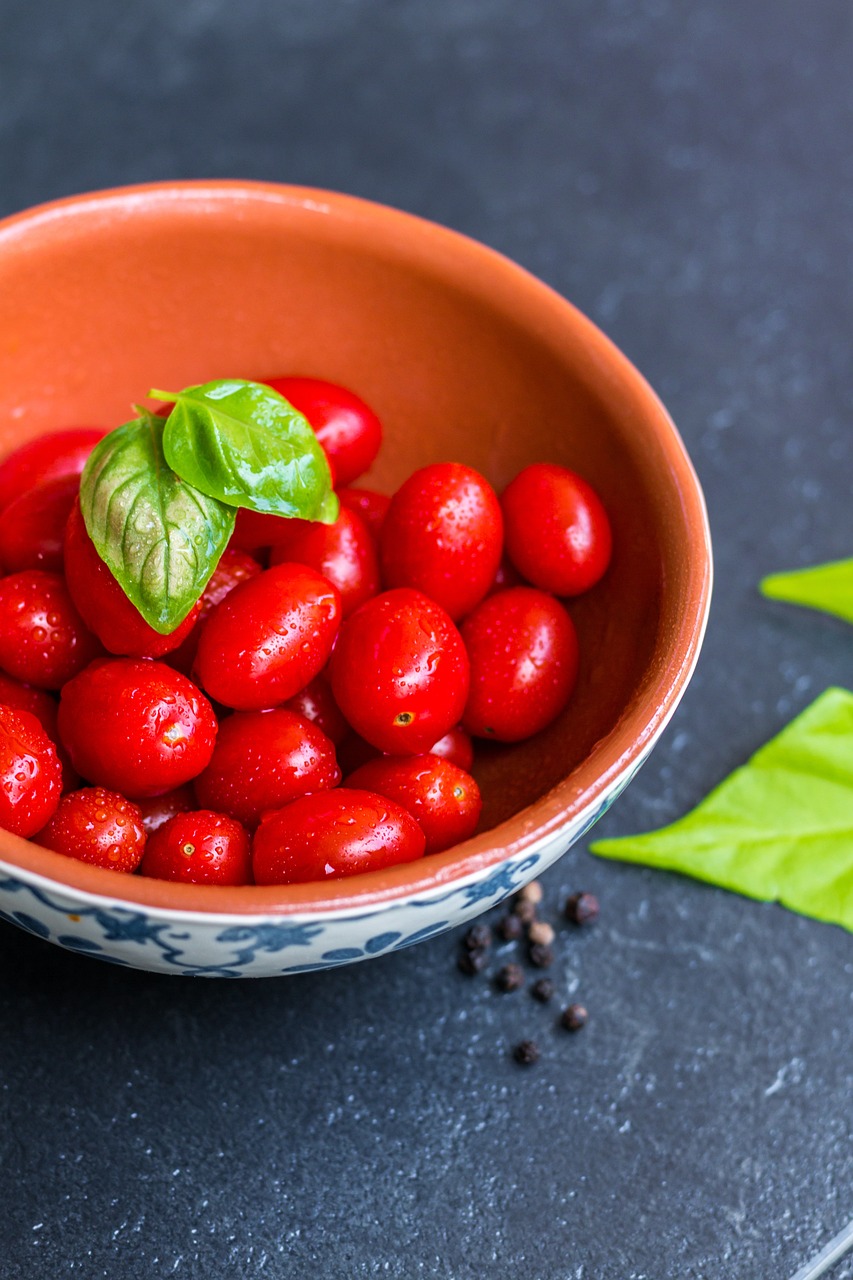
464,356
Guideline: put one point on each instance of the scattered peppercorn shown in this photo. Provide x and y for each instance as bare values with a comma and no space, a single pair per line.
526,1053
541,932
471,962
539,956
531,893
581,908
510,977
526,911
509,929
542,990
573,1018
478,937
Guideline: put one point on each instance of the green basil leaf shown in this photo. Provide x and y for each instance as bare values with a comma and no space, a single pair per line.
241,442
160,538
828,587
780,828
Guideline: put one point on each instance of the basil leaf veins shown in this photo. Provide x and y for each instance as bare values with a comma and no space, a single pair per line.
159,536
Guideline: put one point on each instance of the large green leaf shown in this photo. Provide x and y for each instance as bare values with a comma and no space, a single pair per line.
160,537
828,587
780,828
243,443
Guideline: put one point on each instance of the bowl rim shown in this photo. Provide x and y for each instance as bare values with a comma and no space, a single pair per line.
573,797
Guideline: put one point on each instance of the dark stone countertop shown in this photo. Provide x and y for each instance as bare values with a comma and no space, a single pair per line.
684,174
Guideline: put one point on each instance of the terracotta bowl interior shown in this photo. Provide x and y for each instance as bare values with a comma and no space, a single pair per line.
463,355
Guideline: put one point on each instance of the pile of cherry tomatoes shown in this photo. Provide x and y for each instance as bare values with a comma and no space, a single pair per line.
370,650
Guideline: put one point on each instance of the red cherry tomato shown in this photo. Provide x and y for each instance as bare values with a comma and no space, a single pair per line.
331,834
443,535
235,566
400,672
524,663
268,638
254,530
59,453
105,608
343,552
557,530
43,640
316,703
263,760
371,506
443,799
156,810
97,826
348,430
30,773
22,697
200,847
456,746
136,727
32,526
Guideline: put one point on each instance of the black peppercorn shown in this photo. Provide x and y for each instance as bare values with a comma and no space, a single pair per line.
478,937
471,962
542,990
510,928
540,956
526,1053
509,978
573,1018
581,908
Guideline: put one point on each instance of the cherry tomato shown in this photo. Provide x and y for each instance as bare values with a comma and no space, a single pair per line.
334,833
30,773
316,703
399,672
235,566
557,530
254,530
97,826
348,430
136,726
200,847
156,810
23,697
456,746
263,760
343,552
524,663
443,535
32,526
59,453
268,638
442,798
43,639
371,506
105,608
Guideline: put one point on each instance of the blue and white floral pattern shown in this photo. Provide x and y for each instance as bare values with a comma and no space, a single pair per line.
223,946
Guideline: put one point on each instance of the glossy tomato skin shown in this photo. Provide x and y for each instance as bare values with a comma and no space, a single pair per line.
23,697
399,672
32,526
455,746
268,638
98,826
199,847
524,663
330,834
30,773
367,503
443,535
346,427
557,530
105,608
136,726
343,552
235,566
263,760
157,810
59,453
443,799
316,703
43,639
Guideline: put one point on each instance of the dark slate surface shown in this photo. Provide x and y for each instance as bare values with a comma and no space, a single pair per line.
684,174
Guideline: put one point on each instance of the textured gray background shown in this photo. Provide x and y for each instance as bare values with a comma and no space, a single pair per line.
683,173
